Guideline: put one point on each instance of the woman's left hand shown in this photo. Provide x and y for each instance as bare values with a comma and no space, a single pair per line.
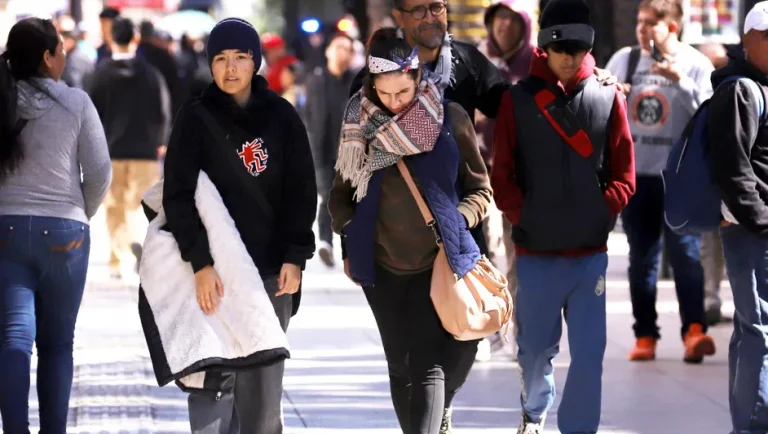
290,280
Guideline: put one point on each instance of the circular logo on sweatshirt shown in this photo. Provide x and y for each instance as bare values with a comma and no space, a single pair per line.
650,109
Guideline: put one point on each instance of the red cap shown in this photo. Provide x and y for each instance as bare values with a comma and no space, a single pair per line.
271,41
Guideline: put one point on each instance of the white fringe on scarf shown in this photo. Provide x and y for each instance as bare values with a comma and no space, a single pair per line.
353,164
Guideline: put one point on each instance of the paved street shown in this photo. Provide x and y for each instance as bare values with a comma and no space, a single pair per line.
337,382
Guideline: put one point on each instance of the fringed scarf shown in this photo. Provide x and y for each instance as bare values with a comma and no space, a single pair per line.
371,139
444,73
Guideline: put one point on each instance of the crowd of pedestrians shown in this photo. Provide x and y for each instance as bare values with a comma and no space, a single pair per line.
230,143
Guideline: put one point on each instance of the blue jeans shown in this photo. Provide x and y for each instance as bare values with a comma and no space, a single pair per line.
643,220
746,259
545,286
43,263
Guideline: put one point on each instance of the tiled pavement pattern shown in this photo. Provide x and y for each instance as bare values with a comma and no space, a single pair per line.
337,383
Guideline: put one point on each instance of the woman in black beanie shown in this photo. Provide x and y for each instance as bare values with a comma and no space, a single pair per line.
253,146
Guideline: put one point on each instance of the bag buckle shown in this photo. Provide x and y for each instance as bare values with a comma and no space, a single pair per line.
433,226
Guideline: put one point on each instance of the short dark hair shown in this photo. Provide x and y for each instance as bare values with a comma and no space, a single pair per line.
668,10
146,30
109,13
398,4
334,36
123,31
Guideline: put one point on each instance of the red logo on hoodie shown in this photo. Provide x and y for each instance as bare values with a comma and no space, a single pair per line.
254,157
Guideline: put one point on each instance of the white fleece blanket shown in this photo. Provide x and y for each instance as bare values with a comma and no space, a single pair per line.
245,322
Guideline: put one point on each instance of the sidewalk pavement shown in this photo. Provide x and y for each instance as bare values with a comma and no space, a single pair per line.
336,380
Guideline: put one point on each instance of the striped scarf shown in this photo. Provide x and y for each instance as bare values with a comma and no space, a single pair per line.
371,139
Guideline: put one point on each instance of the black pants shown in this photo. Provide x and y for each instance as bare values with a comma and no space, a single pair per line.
324,177
252,403
415,345
644,225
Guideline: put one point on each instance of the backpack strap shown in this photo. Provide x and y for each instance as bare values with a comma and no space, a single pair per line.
634,60
553,106
756,90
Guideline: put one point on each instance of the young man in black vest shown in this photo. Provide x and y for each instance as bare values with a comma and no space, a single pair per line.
561,181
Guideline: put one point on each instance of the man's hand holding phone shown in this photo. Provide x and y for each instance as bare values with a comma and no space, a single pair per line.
664,65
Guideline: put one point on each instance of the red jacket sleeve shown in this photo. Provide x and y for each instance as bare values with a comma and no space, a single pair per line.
621,182
507,193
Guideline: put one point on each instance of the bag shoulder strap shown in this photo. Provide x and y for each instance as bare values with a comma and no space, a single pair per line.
429,219
758,91
634,60
221,136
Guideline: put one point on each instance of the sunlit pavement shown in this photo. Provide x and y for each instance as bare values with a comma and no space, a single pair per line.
337,382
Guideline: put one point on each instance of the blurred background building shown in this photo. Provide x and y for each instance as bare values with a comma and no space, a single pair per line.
707,20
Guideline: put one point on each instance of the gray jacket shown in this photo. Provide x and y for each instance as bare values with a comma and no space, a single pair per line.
65,171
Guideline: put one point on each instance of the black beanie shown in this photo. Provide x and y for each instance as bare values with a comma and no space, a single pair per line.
234,34
566,20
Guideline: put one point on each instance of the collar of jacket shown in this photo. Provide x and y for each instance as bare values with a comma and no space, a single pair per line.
540,68
738,65
261,96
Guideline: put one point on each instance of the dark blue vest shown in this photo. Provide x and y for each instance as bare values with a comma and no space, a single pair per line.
437,175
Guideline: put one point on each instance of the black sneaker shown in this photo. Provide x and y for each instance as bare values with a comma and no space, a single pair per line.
137,251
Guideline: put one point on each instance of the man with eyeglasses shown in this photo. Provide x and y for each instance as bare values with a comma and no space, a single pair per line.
467,77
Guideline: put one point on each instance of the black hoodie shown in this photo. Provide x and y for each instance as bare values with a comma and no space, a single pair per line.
740,146
285,174
134,106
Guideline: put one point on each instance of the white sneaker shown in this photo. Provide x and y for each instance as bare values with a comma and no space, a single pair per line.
483,351
529,427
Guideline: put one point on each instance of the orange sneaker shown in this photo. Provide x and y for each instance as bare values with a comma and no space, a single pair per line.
697,344
644,350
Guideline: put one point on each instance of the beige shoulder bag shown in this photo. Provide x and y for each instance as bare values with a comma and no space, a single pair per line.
473,307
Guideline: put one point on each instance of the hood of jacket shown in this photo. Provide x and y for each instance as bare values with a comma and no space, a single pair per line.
262,98
514,65
738,65
540,68
126,69
37,96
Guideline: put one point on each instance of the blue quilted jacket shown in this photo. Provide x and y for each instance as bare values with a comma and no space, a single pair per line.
436,174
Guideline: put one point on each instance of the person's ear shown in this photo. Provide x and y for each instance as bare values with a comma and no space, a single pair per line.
48,59
398,14
674,27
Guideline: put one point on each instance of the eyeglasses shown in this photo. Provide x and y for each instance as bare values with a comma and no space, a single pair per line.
419,12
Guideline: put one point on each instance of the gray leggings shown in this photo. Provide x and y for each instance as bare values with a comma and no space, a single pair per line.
253,403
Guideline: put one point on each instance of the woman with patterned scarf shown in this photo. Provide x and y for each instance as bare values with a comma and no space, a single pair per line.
389,250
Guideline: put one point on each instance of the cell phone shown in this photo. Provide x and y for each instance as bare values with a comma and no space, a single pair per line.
656,54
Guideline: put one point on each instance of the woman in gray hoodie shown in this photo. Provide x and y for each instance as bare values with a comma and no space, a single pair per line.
54,173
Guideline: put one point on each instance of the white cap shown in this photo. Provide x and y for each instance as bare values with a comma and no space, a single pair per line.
757,18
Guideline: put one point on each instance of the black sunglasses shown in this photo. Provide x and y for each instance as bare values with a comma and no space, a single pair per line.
419,12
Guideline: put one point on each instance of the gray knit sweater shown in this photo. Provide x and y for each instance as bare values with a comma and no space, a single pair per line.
66,170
